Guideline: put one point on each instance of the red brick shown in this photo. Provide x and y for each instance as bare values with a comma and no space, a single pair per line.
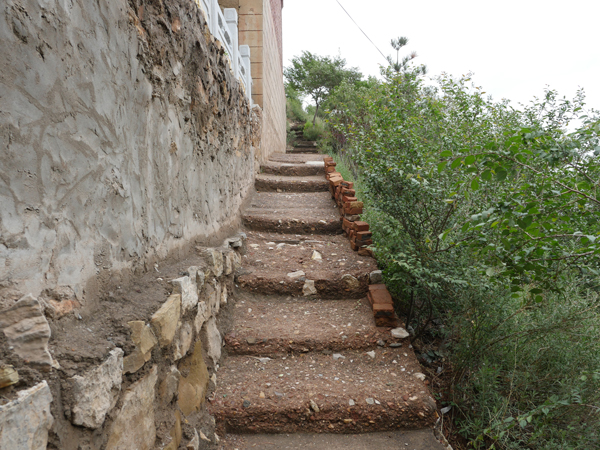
347,198
329,169
352,211
348,192
383,310
348,184
353,246
361,226
380,297
363,235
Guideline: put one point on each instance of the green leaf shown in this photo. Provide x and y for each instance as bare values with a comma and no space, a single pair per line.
486,175
469,160
475,184
501,174
455,163
441,165
446,154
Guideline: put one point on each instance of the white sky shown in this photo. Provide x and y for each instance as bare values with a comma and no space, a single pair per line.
515,48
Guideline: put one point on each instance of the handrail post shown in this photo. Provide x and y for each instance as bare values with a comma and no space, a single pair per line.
245,53
231,18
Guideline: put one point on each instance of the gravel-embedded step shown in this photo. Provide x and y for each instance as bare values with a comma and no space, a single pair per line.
346,392
263,325
384,440
278,183
321,265
297,213
309,168
303,150
296,158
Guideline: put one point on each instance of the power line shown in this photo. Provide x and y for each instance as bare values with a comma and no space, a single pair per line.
384,57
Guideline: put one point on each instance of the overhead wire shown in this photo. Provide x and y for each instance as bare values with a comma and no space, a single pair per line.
341,6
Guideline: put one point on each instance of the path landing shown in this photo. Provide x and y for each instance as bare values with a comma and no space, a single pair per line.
305,365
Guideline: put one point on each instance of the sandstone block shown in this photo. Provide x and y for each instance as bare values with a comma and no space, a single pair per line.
197,276
188,290
165,320
175,433
183,341
228,262
144,340
168,387
192,389
213,297
134,426
27,331
237,261
194,444
97,392
224,295
8,376
214,259
213,340
201,316
24,422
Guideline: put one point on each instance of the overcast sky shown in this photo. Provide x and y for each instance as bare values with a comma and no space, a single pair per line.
515,48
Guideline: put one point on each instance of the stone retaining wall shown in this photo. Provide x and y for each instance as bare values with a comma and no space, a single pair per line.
149,396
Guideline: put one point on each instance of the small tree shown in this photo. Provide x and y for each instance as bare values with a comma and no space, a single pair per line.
316,76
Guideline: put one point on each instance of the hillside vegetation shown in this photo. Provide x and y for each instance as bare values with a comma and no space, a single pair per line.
485,221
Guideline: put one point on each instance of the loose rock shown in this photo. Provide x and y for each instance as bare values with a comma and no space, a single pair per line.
400,333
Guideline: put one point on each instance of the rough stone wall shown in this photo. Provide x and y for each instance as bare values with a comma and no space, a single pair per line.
123,136
124,378
274,119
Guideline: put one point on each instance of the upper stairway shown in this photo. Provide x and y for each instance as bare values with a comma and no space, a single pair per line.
303,354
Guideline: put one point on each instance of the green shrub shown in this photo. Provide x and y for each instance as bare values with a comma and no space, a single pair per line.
314,132
484,220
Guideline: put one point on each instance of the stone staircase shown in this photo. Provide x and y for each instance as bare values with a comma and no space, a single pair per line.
305,365
302,146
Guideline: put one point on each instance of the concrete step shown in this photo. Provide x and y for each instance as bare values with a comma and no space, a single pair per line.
387,440
293,212
313,392
305,144
340,273
309,168
296,158
303,150
277,183
277,325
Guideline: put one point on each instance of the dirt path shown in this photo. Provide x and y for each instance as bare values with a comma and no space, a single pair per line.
303,352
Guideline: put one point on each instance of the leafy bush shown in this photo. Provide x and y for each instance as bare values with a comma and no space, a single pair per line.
485,221
293,105
313,132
